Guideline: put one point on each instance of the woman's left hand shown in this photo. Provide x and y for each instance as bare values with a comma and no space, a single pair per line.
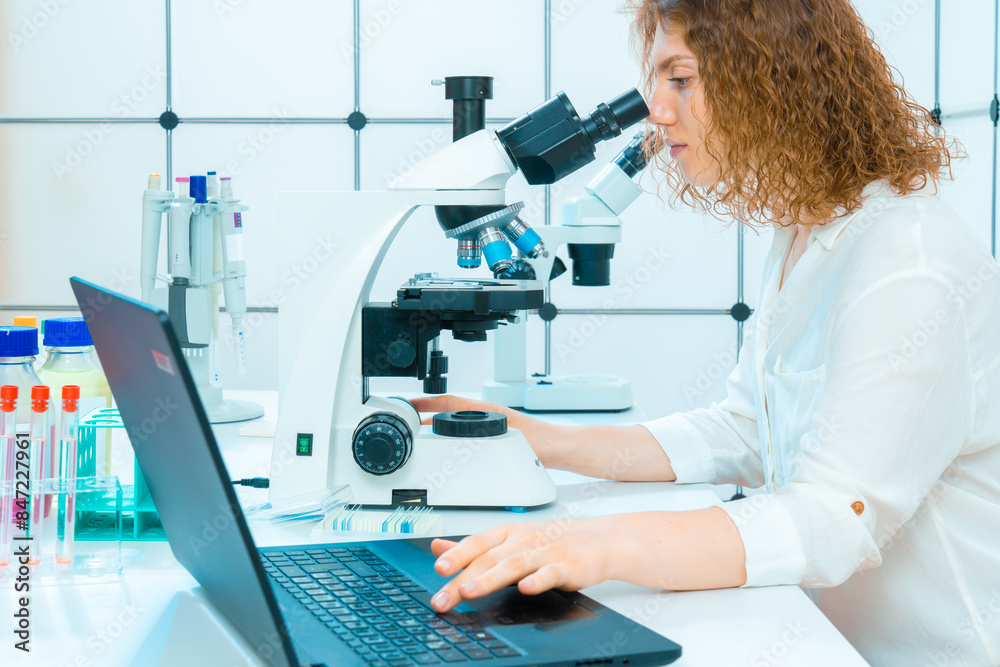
538,556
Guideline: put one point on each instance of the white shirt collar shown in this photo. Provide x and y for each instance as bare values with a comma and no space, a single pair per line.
828,233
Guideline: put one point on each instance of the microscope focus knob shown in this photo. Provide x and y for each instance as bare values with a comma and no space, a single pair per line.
469,424
382,443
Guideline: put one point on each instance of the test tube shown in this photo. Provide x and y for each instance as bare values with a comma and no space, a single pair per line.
8,434
66,524
39,435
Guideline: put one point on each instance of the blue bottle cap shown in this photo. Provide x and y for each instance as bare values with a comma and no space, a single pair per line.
66,332
18,341
199,189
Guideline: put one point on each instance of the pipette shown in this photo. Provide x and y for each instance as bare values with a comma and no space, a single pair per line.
154,202
8,433
234,268
39,435
68,422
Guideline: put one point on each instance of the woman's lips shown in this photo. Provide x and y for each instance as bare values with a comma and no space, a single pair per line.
675,149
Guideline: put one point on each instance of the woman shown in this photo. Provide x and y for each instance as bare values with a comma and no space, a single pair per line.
864,398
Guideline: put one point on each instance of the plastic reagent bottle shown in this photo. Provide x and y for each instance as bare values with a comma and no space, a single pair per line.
36,467
66,524
8,431
18,348
72,361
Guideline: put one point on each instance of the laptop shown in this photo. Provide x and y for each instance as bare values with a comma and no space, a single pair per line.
327,605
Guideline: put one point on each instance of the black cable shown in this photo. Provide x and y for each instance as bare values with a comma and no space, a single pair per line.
255,482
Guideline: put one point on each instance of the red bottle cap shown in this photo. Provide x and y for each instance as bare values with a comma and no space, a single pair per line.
8,398
39,398
70,396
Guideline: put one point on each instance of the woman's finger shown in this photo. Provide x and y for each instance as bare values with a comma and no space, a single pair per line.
449,403
451,593
435,403
439,545
509,570
552,575
468,549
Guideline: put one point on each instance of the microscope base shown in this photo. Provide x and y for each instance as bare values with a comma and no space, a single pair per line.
494,472
563,393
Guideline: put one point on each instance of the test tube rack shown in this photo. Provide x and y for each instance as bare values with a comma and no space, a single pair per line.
97,556
139,518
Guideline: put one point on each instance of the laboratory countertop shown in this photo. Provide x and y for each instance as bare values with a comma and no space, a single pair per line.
157,615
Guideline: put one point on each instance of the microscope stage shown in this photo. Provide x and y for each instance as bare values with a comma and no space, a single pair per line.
480,297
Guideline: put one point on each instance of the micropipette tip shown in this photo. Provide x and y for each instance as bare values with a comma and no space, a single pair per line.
241,350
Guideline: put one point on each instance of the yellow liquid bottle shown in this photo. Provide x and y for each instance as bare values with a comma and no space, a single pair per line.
72,360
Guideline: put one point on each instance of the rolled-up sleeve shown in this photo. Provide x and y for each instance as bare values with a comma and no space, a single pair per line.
718,444
892,417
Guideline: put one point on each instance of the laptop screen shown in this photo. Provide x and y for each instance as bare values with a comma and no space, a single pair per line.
176,450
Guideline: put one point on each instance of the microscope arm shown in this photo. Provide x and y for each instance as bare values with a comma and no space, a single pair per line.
326,275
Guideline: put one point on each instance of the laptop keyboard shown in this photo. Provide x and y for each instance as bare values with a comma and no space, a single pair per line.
380,613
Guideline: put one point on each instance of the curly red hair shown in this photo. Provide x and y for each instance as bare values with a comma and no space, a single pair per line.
804,111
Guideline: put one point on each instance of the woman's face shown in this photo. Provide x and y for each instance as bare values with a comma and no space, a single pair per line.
678,106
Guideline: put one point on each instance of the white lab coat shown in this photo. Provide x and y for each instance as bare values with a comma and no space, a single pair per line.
867,401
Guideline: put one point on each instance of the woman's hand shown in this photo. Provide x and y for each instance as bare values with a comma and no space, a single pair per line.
544,438
677,551
627,453
537,556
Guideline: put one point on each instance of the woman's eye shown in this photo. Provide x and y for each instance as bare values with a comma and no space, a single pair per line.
680,81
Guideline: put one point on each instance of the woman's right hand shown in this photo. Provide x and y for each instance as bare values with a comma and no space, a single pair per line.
543,437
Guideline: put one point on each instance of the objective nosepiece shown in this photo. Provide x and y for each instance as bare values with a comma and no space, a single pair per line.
495,249
524,238
469,253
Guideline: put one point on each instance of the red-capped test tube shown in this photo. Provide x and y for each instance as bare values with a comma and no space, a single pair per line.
39,435
68,424
8,443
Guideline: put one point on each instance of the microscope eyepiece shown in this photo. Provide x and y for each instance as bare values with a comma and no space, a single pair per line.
552,141
632,159
629,108
607,121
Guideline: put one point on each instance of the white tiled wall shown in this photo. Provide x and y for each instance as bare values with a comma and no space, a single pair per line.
63,212
405,44
261,59
104,58
67,208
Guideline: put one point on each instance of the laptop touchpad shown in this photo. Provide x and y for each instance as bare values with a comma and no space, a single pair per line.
509,606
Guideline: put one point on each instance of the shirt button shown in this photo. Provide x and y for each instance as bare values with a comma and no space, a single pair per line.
858,507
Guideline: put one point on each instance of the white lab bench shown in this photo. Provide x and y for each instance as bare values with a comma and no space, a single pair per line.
157,615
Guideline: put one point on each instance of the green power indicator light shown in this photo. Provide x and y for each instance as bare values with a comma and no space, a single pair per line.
304,444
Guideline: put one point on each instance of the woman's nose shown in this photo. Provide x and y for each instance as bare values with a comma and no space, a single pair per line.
661,112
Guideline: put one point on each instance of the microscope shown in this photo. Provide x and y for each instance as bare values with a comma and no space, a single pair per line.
590,227
205,261
331,430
